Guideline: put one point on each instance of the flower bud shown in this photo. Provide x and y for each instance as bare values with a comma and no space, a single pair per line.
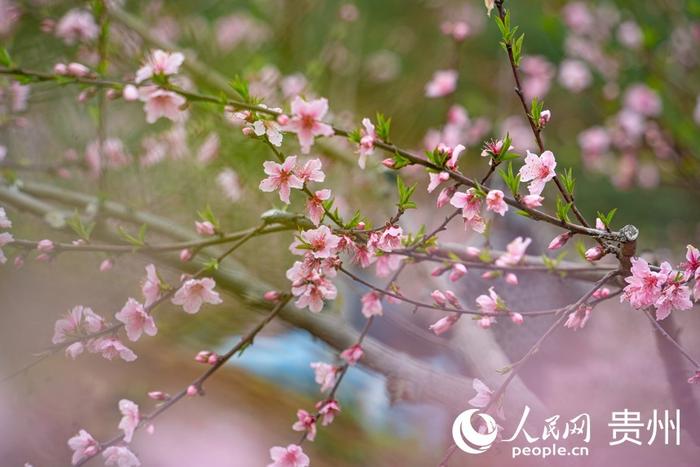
106,265
595,253
158,395
60,69
272,296
185,255
192,390
130,93
517,318
282,119
439,298
457,272
560,240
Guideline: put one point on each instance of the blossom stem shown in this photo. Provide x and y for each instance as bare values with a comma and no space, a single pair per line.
673,341
535,214
198,383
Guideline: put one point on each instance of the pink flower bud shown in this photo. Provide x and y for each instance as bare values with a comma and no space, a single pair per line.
60,69
599,224
388,163
443,325
47,25
205,229
158,395
545,116
352,354
185,255
272,296
203,356
112,94
595,253
445,196
130,93
150,429
560,240
192,390
601,293
517,318
45,246
77,69
532,201
361,225
213,358
511,279
489,275
282,119
106,265
473,251
439,298
247,131
452,298
485,322
438,271
457,272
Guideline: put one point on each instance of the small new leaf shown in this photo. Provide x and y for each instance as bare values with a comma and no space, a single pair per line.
240,85
405,193
383,127
76,224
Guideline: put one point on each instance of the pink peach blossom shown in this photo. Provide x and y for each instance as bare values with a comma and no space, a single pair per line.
160,63
195,292
328,409
390,238
281,177
5,239
579,318
436,178
130,418
515,251
120,456
539,170
136,320
150,287
45,246
495,202
325,374
532,201
643,285
77,26
594,253
469,202
291,456
368,136
305,121
674,296
305,422
321,242
314,205
352,354
311,171
643,100
517,318
574,75
483,394
83,446
111,347
444,82
491,303
161,103
371,304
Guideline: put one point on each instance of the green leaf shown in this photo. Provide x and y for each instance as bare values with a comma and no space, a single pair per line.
137,241
511,179
517,49
563,209
240,85
607,218
383,127
400,161
569,181
5,59
76,224
405,193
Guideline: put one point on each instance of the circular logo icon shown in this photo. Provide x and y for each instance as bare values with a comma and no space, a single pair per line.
467,438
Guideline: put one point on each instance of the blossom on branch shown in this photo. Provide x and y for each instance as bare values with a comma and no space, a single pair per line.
281,177
195,292
136,320
305,121
538,170
291,456
159,63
